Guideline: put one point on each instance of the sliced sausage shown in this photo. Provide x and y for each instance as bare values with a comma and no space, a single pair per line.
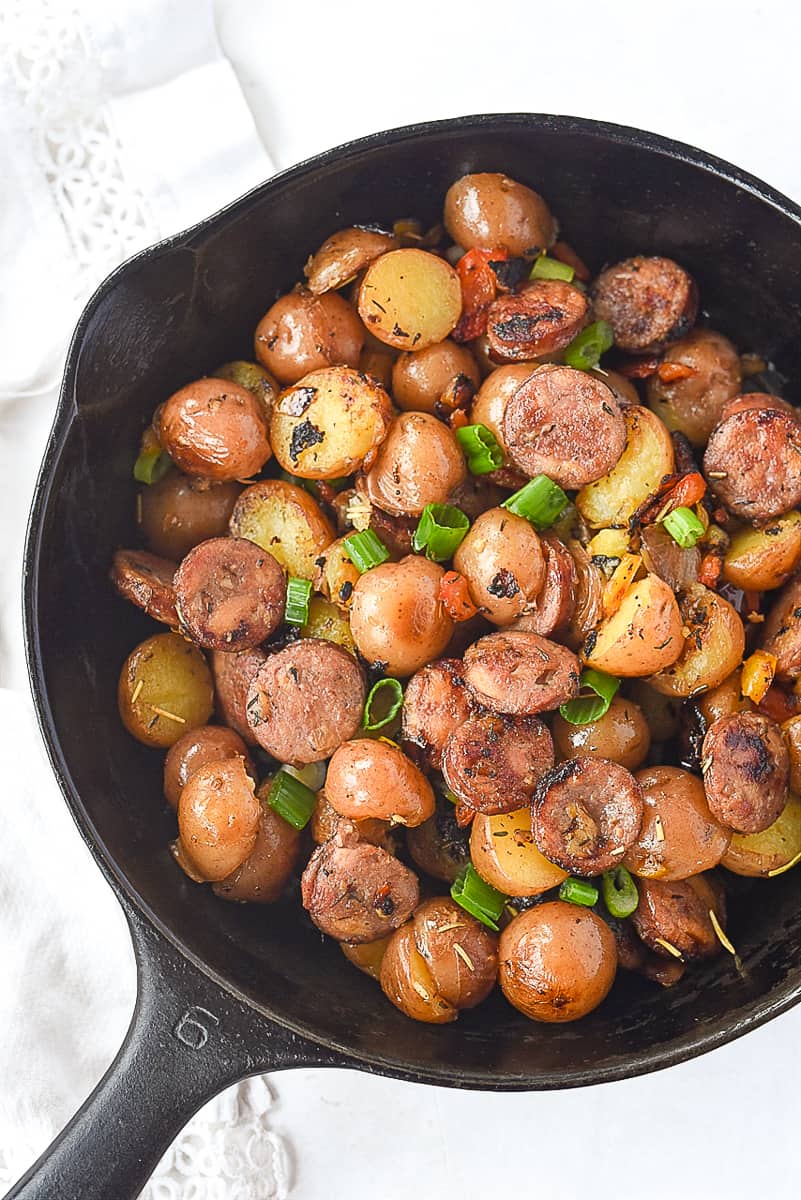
493,763
543,318
649,302
306,700
694,403
552,610
146,580
230,594
564,424
676,915
435,703
759,400
205,744
515,672
215,429
782,630
356,892
586,813
233,675
746,767
753,463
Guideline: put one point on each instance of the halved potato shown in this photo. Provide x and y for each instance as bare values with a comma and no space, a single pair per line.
343,255
367,956
164,690
504,853
772,849
713,645
410,299
723,700
284,520
642,637
335,576
330,623
647,458
759,559
329,423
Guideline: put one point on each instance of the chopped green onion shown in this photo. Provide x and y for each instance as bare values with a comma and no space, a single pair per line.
551,268
291,799
540,502
298,593
480,899
365,550
585,351
578,891
152,465
620,892
387,705
481,448
586,708
440,531
684,527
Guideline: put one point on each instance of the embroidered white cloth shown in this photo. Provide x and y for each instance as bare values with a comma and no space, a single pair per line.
121,123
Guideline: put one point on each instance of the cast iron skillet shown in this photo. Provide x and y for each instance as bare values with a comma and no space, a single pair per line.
226,991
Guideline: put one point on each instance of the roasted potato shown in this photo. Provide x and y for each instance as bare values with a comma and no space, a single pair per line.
284,520
663,714
712,648
397,617
367,956
419,463
218,818
343,255
646,459
330,623
264,874
303,333
761,559
621,734
501,558
178,513
772,850
504,853
164,690
410,299
253,377
335,576
490,210
420,377
643,636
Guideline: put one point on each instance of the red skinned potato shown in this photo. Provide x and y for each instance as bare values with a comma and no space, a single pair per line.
418,463
642,636
343,255
303,333
218,818
781,633
371,778
214,429
489,210
177,513
410,299
679,836
264,874
552,608
693,403
673,918
397,617
207,743
501,558
420,377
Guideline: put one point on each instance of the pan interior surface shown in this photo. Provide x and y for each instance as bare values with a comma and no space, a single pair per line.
174,313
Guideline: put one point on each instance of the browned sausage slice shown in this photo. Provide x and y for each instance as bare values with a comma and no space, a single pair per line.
306,700
753,462
565,424
586,814
758,400
782,630
676,915
356,892
746,767
649,302
493,763
233,675
436,702
543,318
552,610
230,594
147,581
516,672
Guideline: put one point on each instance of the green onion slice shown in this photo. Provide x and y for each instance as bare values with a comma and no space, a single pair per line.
684,527
291,799
298,594
365,550
440,531
585,351
551,268
152,465
619,892
578,891
481,448
589,707
480,899
383,703
540,502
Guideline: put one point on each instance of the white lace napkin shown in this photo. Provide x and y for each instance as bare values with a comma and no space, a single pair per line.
121,123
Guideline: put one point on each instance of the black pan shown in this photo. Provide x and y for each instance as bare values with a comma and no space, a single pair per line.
226,991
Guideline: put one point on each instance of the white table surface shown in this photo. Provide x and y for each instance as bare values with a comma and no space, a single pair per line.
723,76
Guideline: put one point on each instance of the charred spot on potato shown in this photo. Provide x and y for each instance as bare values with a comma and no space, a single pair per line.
503,585
304,436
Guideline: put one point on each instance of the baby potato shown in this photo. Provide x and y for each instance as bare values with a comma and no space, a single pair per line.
370,778
410,299
214,429
326,822
792,736
303,333
621,734
643,636
419,463
647,458
343,255
164,690
761,854
723,700
693,404
502,560
264,874
760,559
407,981
367,956
335,576
379,364
713,648
503,851
663,714
420,377
491,210
495,393
397,617
253,377
330,623
218,818
204,744
285,521
178,513
329,423
679,836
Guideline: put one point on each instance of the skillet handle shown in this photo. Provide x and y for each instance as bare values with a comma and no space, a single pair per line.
188,1039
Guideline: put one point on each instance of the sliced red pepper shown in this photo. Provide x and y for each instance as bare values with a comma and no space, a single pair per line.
675,491
455,596
638,368
710,569
669,372
479,289
458,419
565,253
